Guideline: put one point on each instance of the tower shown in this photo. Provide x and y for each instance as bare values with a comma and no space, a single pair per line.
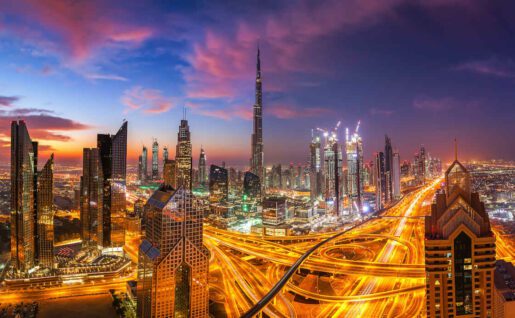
218,184
379,167
45,212
183,157
144,164
155,160
257,158
355,170
173,263
202,176
23,196
113,160
388,166
315,167
165,154
91,196
396,176
460,251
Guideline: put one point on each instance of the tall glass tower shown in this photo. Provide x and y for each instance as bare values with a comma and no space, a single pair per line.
155,160
183,157
256,161
45,201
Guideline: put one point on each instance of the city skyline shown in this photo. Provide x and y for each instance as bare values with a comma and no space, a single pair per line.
137,72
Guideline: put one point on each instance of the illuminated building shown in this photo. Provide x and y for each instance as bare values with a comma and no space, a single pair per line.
218,184
388,168
460,251
45,213
333,170
355,170
173,263
277,177
155,160
257,158
91,184
183,157
144,164
420,165
113,159
275,211
396,176
140,169
202,175
169,173
165,154
379,167
315,167
251,185
504,291
405,169
23,184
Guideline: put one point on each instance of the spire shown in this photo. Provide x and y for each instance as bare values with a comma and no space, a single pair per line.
455,150
258,65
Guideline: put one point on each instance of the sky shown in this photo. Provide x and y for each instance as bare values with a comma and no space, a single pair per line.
423,72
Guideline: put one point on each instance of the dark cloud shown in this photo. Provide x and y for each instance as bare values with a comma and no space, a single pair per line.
8,101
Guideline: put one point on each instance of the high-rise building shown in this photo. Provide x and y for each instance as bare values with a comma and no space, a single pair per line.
420,165
183,157
355,170
333,172
202,175
91,194
218,184
169,173
257,159
379,167
140,168
396,176
155,160
144,164
275,211
460,251
23,195
388,167
315,167
173,263
113,159
165,154
251,185
45,214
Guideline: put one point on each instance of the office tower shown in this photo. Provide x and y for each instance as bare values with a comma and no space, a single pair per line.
165,154
169,173
333,171
140,168
380,181
173,263
91,189
405,169
460,251
420,165
396,176
251,185
218,184
113,159
45,213
257,159
355,170
388,164
144,164
183,156
155,160
23,196
275,210
315,167
202,168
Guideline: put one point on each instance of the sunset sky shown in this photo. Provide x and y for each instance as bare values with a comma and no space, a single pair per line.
420,71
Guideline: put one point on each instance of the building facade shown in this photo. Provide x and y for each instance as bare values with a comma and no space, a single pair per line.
91,193
155,160
183,157
45,214
218,184
257,152
202,174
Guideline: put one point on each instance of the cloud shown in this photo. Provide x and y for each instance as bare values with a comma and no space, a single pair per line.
381,112
492,66
150,101
443,104
110,77
292,111
8,101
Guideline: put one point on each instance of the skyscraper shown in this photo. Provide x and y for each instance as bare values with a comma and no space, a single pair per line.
396,176
23,186
91,196
165,154
113,158
333,171
169,173
183,157
257,159
218,184
144,165
388,164
155,160
45,214
140,169
420,165
173,263
379,167
355,170
202,176
251,185
460,251
315,167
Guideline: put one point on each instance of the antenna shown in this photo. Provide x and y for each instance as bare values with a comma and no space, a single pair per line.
455,149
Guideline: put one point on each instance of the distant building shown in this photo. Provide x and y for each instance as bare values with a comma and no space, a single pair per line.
460,251
170,173
420,166
380,178
91,193
202,174
251,185
218,184
315,168
45,214
165,154
388,169
333,172
183,157
144,164
275,211
504,291
355,170
155,160
396,176
173,263
113,159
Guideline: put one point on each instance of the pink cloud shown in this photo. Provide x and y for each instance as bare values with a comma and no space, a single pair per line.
8,101
443,104
492,66
150,101
292,111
